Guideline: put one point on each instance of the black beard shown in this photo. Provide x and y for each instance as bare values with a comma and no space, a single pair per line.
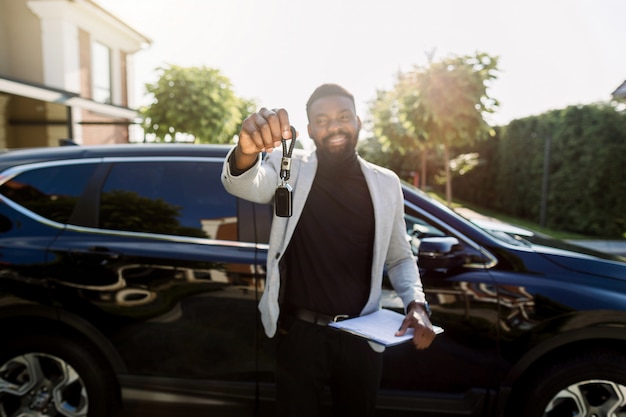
340,157
345,152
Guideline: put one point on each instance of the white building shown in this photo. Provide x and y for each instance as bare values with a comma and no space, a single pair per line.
65,73
620,93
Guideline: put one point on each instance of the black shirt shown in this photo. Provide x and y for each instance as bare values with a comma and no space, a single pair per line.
329,259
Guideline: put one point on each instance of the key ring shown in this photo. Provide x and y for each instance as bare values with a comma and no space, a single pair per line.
285,163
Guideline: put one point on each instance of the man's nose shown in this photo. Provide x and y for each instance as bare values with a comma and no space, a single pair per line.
334,125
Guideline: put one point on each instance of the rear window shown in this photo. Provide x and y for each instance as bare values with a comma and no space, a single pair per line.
51,192
168,197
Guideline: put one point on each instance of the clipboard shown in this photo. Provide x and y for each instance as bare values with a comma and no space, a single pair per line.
379,327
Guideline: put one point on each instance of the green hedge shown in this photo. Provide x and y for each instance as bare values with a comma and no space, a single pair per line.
587,170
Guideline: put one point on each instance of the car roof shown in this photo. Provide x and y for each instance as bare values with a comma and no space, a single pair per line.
10,158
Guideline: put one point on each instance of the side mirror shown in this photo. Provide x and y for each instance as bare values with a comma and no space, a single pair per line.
439,253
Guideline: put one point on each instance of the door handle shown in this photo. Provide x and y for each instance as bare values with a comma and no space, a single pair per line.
96,255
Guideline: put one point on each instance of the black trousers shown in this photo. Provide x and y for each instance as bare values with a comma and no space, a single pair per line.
312,357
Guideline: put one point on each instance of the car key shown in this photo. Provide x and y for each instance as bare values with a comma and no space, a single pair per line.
283,203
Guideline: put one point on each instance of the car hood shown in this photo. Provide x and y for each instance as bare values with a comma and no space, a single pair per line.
580,259
566,255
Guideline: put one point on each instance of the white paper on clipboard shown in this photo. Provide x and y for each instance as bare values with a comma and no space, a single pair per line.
379,327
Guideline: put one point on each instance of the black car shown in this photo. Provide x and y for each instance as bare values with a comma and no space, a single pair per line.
129,275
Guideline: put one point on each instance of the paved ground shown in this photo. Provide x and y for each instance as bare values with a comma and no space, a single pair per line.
614,247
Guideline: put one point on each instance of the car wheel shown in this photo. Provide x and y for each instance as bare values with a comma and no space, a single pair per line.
46,375
592,384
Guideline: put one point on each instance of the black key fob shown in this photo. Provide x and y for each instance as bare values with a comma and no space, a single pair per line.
283,204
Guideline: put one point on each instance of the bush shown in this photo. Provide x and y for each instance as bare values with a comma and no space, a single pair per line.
586,181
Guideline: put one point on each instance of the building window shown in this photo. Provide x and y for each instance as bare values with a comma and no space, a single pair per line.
101,73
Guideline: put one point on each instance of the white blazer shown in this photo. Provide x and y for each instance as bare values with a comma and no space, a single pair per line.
391,248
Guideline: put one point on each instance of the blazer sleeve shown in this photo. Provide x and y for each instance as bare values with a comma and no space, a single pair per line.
401,263
257,184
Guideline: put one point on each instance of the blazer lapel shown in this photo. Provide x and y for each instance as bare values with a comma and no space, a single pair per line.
301,181
371,175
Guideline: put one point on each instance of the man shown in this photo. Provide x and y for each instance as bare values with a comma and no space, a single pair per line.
327,259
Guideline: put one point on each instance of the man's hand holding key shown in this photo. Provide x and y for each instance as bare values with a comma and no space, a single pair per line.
261,131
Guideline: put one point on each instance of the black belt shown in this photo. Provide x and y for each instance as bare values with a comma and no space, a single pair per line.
317,318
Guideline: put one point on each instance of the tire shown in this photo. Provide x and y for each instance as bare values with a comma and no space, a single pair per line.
589,384
49,375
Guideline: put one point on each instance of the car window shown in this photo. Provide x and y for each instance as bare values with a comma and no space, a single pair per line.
418,227
51,192
168,197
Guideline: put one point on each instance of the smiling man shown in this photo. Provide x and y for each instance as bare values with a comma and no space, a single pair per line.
326,260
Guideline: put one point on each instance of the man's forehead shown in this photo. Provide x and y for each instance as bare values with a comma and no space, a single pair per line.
331,104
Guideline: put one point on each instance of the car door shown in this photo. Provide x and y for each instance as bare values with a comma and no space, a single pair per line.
157,258
456,374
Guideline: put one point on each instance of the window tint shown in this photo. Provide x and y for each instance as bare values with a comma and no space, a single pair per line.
418,228
172,197
51,192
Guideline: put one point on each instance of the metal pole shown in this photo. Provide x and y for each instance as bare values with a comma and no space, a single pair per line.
545,182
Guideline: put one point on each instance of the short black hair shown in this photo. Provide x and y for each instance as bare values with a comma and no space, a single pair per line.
326,90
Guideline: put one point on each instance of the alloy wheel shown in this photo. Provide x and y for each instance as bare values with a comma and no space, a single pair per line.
591,398
37,384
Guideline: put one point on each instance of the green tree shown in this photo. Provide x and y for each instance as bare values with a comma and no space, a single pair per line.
451,101
442,104
193,104
396,148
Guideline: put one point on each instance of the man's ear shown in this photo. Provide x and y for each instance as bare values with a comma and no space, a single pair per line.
308,129
358,121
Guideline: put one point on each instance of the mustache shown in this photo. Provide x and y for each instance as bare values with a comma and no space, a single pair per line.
338,133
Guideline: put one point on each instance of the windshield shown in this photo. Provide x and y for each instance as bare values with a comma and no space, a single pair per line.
514,235
505,232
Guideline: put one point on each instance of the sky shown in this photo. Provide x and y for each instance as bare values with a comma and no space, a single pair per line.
552,53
